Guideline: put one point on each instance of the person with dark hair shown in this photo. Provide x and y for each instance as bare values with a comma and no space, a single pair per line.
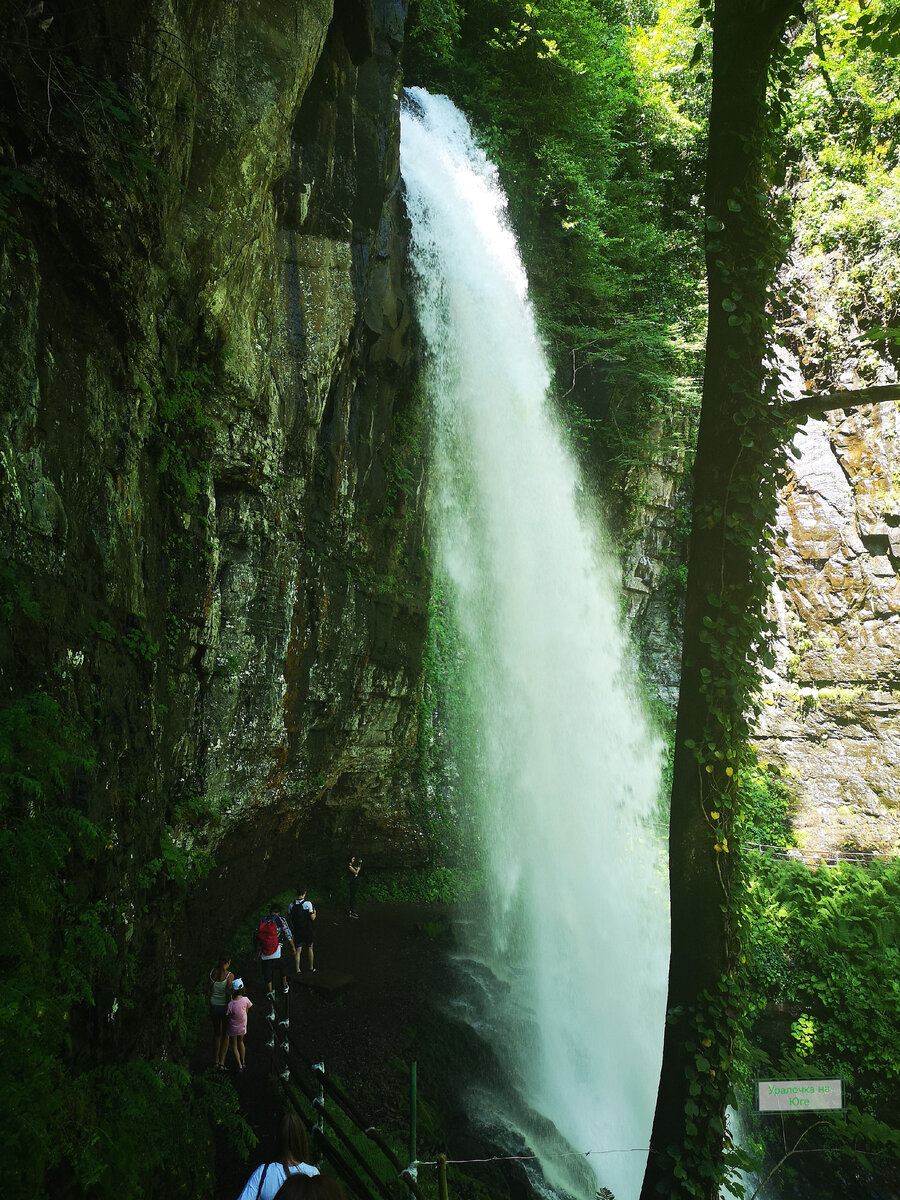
293,1146
219,992
353,869
271,934
311,1187
302,915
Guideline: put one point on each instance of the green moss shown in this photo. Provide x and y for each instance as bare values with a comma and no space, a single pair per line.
183,427
424,886
109,1127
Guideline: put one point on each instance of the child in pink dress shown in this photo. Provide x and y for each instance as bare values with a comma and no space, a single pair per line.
236,1013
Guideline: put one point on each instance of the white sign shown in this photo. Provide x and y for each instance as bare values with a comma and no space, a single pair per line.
799,1095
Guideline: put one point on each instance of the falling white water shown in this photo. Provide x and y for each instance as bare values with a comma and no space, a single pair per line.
576,928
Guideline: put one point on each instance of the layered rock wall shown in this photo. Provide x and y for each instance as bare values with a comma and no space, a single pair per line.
831,707
210,467
832,703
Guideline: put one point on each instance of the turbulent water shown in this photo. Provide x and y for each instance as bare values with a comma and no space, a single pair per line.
569,955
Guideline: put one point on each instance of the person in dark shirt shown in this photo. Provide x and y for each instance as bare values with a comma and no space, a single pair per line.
353,869
302,915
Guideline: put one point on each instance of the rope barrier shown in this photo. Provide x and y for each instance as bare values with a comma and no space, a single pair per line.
532,1157
827,856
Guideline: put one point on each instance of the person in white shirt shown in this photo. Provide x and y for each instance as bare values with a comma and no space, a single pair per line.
302,916
294,1146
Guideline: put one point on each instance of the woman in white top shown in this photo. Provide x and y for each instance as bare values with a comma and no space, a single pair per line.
219,992
268,1177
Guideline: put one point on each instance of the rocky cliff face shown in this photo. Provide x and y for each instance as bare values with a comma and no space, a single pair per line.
210,469
831,710
831,706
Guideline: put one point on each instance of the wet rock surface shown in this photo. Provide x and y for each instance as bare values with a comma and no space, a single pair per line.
210,462
831,707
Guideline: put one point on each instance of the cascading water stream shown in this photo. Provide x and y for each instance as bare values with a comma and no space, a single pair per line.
575,930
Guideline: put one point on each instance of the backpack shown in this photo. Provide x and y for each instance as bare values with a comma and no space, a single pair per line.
267,937
300,919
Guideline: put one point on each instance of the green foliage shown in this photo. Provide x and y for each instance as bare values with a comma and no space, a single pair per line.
433,28
843,132
821,945
111,1126
139,645
566,98
822,990
142,1119
826,943
803,1032
183,429
766,805
34,753
424,886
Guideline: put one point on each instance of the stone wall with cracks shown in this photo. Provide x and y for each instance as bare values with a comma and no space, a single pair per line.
211,480
831,707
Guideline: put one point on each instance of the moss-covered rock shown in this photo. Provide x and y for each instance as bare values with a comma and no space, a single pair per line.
204,428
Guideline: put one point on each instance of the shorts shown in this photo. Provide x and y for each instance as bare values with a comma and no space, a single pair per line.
217,1012
269,967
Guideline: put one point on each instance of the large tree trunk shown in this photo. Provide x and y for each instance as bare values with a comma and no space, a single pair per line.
733,502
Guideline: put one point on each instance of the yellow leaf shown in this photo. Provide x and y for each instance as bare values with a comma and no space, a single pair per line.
714,816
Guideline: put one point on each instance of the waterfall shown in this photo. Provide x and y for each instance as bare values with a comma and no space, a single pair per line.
574,929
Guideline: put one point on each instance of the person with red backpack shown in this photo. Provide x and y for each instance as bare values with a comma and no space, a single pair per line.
271,933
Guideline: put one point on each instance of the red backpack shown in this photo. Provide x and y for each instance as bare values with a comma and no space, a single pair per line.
267,937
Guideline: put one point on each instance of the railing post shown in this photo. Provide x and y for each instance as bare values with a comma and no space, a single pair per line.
443,1193
413,1165
282,1029
319,1103
271,1018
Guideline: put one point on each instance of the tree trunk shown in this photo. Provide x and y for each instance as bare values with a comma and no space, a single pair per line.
734,484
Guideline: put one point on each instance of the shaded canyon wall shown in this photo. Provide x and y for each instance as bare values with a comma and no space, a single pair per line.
210,467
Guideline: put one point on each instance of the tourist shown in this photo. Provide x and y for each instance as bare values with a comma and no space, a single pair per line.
311,1187
353,869
271,934
302,916
237,1011
293,1147
219,992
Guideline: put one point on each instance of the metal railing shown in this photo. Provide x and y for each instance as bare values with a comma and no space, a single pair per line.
381,1174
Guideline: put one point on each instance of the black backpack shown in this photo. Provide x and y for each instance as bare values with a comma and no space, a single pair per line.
300,920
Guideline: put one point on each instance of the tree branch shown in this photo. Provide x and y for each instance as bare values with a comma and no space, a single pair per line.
823,402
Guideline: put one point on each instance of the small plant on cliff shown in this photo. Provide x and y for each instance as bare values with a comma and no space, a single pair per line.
139,645
183,428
